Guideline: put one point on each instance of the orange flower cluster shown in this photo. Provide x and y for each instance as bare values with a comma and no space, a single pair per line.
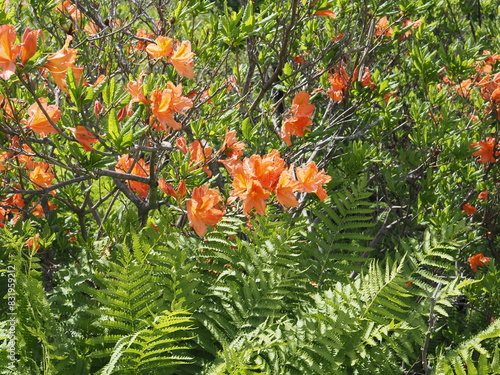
59,63
164,104
9,52
203,209
11,205
167,102
488,83
199,154
486,66
478,260
177,54
340,82
300,121
38,122
255,178
382,28
488,150
126,164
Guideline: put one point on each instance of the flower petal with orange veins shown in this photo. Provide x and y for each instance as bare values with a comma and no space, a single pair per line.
162,48
38,122
182,60
312,180
203,209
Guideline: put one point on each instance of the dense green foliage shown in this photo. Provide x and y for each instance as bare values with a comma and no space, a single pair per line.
105,272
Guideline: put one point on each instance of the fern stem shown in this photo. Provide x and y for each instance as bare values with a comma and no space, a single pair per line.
432,324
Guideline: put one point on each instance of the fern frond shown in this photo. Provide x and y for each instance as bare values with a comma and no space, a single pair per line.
337,244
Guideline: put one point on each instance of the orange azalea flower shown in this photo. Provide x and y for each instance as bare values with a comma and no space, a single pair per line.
199,156
63,59
483,195
298,59
182,60
469,209
83,136
59,63
28,45
41,175
366,79
203,209
339,81
163,47
463,89
285,189
231,145
487,152
134,88
327,13
38,122
337,37
165,103
14,202
382,28
8,51
126,164
33,243
298,124
478,260
489,87
38,209
266,170
250,191
491,59
312,180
